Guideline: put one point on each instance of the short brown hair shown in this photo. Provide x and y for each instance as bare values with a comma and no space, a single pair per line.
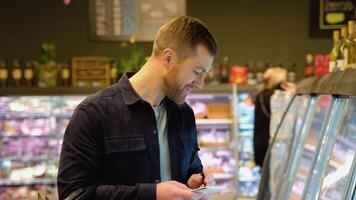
184,34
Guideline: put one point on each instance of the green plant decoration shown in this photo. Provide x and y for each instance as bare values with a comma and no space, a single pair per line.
136,59
48,68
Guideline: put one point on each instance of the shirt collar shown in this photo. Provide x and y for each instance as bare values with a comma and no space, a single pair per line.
128,92
130,95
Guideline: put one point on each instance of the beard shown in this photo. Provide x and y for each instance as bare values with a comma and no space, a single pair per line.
172,89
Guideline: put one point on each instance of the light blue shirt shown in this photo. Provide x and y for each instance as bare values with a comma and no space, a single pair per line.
164,160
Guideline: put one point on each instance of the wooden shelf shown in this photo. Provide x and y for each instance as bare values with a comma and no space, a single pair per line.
227,121
28,91
45,181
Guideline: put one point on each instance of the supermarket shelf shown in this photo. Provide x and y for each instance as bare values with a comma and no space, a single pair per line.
13,91
227,88
213,121
28,158
51,136
246,126
341,82
224,176
4,182
218,88
24,115
36,116
248,179
64,115
214,148
248,88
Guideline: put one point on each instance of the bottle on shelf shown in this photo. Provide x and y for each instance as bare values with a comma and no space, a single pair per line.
350,46
4,74
65,74
292,74
340,62
279,63
309,67
113,72
335,53
28,74
35,66
259,72
224,70
16,73
266,65
251,79
213,75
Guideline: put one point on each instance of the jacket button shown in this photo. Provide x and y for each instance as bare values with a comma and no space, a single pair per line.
154,132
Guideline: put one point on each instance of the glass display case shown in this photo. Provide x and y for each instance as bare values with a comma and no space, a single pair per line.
224,119
318,153
214,120
312,140
32,129
320,160
248,172
284,141
338,180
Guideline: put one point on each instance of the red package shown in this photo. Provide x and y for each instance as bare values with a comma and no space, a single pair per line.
238,74
321,64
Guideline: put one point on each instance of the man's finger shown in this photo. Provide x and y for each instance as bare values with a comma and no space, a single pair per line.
180,185
185,194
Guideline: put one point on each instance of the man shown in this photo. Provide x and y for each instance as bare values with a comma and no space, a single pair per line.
137,139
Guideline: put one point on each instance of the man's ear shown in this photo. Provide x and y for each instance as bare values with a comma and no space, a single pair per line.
169,56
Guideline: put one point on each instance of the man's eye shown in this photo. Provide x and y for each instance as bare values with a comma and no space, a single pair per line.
195,72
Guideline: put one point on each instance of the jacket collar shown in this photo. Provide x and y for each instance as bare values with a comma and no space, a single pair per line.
130,95
128,92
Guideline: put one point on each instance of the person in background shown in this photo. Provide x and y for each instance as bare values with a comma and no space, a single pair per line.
137,139
274,78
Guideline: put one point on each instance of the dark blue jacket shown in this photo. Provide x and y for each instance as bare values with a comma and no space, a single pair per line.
110,148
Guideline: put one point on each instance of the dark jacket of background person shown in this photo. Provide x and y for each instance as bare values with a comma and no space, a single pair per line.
110,147
275,78
261,125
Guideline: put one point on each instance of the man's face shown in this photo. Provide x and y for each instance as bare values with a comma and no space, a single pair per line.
188,74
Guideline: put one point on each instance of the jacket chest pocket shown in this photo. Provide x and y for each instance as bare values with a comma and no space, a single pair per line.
125,144
126,158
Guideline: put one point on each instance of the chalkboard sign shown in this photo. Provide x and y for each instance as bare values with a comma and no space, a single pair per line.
327,15
116,20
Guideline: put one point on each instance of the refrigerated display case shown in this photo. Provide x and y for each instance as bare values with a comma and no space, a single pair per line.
338,177
248,171
32,127
214,121
320,163
224,119
284,145
309,150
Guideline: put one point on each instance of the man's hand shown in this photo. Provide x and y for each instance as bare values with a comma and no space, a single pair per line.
196,181
173,190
